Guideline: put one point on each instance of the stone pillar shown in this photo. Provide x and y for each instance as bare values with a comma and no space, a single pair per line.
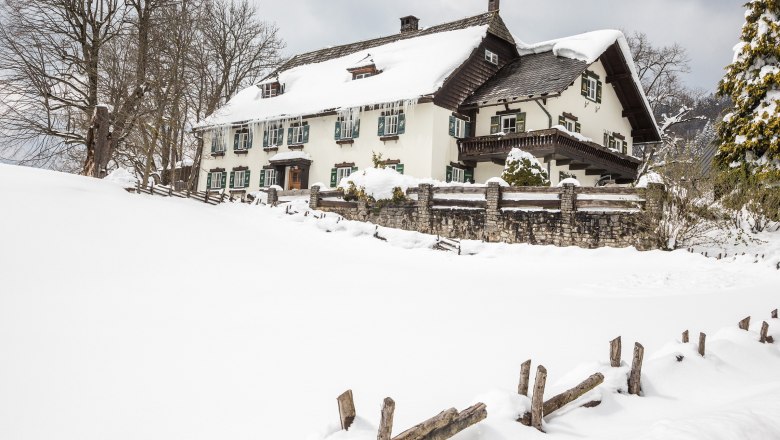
492,232
568,211
362,210
273,197
314,197
654,195
424,204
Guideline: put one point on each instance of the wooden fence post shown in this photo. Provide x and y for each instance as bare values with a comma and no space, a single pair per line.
745,324
702,343
525,377
685,337
346,409
565,398
386,423
764,332
467,417
774,314
615,351
537,401
421,431
635,378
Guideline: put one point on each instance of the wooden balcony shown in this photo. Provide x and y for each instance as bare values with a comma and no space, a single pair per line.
551,144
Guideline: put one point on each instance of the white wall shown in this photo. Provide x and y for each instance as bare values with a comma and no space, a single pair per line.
425,149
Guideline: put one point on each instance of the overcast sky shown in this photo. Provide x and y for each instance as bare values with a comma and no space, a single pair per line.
708,29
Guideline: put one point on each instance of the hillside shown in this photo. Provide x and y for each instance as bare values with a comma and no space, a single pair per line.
127,316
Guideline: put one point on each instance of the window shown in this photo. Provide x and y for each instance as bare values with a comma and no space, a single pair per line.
615,142
218,141
216,180
238,179
569,122
271,90
392,123
347,126
243,139
591,87
491,57
507,123
458,175
269,177
459,128
362,75
298,134
342,173
273,136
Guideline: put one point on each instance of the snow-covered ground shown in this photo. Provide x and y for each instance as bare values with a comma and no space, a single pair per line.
128,316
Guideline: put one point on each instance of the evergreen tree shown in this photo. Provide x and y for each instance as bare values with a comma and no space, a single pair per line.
752,130
522,169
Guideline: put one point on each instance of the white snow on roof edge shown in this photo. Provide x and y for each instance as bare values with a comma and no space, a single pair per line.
589,47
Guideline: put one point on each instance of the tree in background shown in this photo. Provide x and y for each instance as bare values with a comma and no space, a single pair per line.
522,169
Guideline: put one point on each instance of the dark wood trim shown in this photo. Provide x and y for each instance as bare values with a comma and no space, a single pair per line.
579,166
459,165
618,136
595,172
297,147
271,149
237,191
241,152
389,138
269,167
391,162
570,116
344,165
220,154
241,168
461,116
217,170
617,77
508,112
345,141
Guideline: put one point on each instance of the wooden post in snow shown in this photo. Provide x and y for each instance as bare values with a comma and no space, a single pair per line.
537,401
764,332
525,377
346,409
774,314
685,337
615,350
386,423
745,324
635,378
702,343
565,398
464,419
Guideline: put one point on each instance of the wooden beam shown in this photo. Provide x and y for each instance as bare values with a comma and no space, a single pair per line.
346,409
501,162
627,113
466,418
565,398
641,131
579,166
386,422
418,432
595,172
617,77
562,162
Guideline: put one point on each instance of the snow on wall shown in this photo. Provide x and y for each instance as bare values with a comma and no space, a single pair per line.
407,74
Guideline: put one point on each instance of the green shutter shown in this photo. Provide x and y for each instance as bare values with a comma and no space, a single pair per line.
214,142
249,139
448,174
224,178
247,178
468,175
262,178
402,123
235,141
585,85
337,131
280,136
400,168
598,92
289,135
495,124
306,133
232,175
577,127
208,181
453,122
354,169
468,130
265,137
333,175
381,130
520,120
561,121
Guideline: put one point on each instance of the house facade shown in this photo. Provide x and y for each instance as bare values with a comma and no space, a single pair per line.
447,102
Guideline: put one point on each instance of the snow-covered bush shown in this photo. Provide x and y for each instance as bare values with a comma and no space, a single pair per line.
376,184
522,169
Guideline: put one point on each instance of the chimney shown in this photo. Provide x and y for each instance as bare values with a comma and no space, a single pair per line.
494,5
410,24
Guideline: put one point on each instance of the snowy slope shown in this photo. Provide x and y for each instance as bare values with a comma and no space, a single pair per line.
241,322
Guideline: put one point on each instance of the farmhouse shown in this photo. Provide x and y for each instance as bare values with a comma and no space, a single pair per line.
448,102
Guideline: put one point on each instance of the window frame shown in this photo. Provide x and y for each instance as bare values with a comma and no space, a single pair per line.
513,119
342,173
347,127
296,137
218,176
270,90
593,84
273,136
460,173
391,121
269,177
236,179
491,57
243,138
460,128
362,75
219,141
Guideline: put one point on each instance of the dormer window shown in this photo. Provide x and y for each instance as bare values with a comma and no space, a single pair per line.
270,90
364,71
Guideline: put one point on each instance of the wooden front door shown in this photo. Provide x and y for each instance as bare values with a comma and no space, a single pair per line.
295,178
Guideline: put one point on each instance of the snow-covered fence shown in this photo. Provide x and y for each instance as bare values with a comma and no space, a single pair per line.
168,191
565,216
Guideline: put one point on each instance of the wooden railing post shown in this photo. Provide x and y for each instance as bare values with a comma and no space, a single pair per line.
386,422
525,377
615,350
764,333
537,401
635,378
346,409
702,343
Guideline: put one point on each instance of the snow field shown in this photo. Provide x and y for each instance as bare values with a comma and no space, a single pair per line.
129,316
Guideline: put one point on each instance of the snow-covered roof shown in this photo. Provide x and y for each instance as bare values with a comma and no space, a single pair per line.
290,155
408,73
